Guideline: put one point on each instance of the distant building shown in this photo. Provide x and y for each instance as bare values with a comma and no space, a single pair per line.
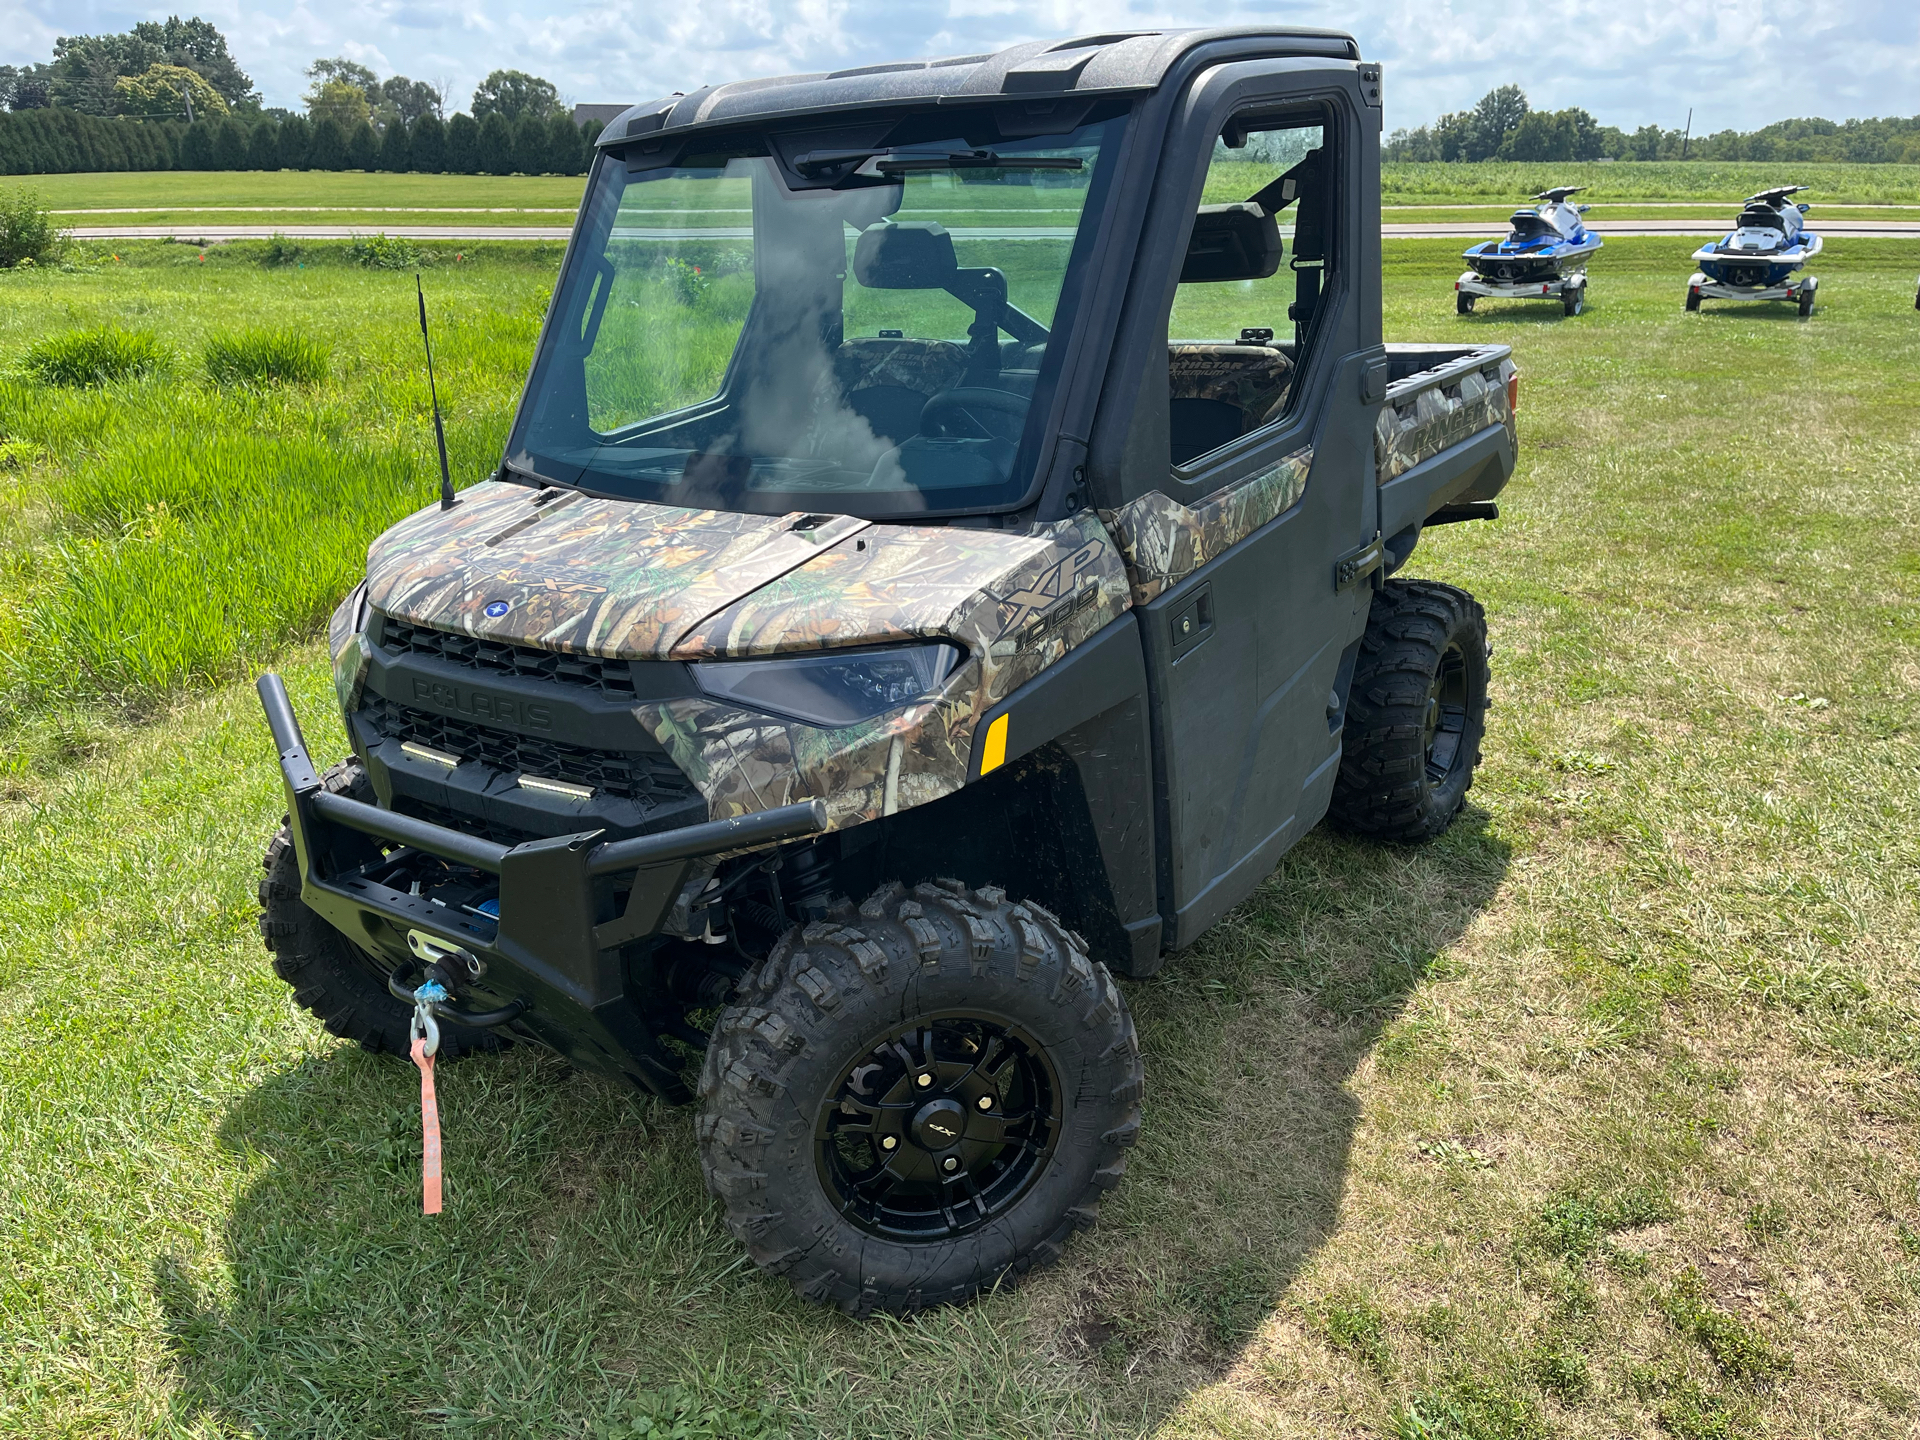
602,113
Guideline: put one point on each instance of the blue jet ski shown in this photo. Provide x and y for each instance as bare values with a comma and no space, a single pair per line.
1770,241
1544,257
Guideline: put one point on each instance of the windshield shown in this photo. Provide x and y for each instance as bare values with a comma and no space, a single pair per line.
860,332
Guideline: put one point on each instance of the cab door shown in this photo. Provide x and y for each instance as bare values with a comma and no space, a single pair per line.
1251,543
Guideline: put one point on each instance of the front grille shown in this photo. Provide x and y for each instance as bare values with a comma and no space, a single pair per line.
613,678
643,776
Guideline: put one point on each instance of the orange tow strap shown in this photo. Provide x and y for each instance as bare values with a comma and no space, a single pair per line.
429,1131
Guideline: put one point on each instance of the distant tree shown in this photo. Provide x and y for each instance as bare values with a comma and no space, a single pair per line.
396,148
340,101
514,94
495,151
530,149
197,45
164,91
230,145
363,147
296,137
429,145
1494,116
263,147
31,91
196,146
328,149
347,72
590,132
566,148
411,99
463,145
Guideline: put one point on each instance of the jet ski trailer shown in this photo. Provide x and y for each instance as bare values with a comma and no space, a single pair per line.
1757,261
1544,257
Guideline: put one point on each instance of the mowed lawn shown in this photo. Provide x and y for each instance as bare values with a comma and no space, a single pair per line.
1598,1117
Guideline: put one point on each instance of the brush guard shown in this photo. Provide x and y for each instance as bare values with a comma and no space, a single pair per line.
554,957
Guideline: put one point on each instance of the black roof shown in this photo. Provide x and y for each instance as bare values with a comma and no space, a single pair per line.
1117,63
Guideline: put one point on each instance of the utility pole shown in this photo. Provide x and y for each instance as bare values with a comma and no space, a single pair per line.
187,95
1688,134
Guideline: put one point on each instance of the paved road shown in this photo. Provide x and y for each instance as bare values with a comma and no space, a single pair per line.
1452,230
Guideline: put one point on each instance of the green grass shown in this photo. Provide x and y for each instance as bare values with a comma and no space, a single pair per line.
173,190
265,357
1426,184
99,355
172,528
1463,1141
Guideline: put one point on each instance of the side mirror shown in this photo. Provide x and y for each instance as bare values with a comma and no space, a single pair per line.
906,255
1232,242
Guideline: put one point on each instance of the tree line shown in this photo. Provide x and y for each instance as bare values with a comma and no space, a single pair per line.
1503,126
169,96
54,141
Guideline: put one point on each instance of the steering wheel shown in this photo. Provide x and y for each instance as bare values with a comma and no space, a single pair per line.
975,412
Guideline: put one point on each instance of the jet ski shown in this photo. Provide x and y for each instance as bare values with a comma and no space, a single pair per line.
1757,261
1544,257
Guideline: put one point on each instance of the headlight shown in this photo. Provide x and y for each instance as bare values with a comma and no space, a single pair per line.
835,688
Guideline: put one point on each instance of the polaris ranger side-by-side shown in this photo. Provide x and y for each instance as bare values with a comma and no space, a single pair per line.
940,562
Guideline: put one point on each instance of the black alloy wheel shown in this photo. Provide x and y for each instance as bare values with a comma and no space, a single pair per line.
918,1099
1448,696
938,1127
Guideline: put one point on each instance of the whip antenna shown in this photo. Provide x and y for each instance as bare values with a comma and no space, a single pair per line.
447,498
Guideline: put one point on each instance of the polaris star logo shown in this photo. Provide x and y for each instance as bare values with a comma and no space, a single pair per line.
496,609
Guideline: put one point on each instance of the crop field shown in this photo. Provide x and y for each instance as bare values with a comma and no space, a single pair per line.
1598,1117
1408,183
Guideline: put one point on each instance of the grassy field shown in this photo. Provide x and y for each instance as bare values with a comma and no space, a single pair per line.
1596,1118
1434,184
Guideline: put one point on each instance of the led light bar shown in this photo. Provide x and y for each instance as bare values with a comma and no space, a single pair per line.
428,753
556,787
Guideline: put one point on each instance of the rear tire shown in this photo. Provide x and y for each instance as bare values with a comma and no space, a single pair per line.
1463,303
1574,298
1693,299
341,984
1415,715
835,1085
1806,301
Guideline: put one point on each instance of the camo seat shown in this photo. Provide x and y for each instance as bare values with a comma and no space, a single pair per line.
1218,393
888,379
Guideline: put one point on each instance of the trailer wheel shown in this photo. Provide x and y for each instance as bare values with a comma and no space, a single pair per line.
920,1100
1693,298
1806,301
1463,303
1415,714
335,979
1574,298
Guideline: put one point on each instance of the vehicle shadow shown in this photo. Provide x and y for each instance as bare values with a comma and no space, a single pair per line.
1252,1038
581,1280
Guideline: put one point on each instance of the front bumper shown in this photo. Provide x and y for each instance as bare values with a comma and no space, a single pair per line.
567,905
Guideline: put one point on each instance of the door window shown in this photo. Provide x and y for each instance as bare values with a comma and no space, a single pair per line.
1251,278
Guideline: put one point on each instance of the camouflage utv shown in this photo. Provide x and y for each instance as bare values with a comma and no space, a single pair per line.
940,563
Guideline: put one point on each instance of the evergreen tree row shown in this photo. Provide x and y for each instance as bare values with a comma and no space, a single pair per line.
58,141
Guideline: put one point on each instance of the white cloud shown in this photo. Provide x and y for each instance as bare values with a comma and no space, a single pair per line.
1737,63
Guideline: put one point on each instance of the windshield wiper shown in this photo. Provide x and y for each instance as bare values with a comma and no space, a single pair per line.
908,162
544,482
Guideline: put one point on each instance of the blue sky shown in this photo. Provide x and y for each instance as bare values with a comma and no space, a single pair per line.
1738,63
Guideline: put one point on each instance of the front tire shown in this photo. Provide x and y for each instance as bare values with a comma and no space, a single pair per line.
338,982
1415,715
910,1104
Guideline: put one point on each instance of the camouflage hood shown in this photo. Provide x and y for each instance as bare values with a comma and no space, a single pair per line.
628,580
